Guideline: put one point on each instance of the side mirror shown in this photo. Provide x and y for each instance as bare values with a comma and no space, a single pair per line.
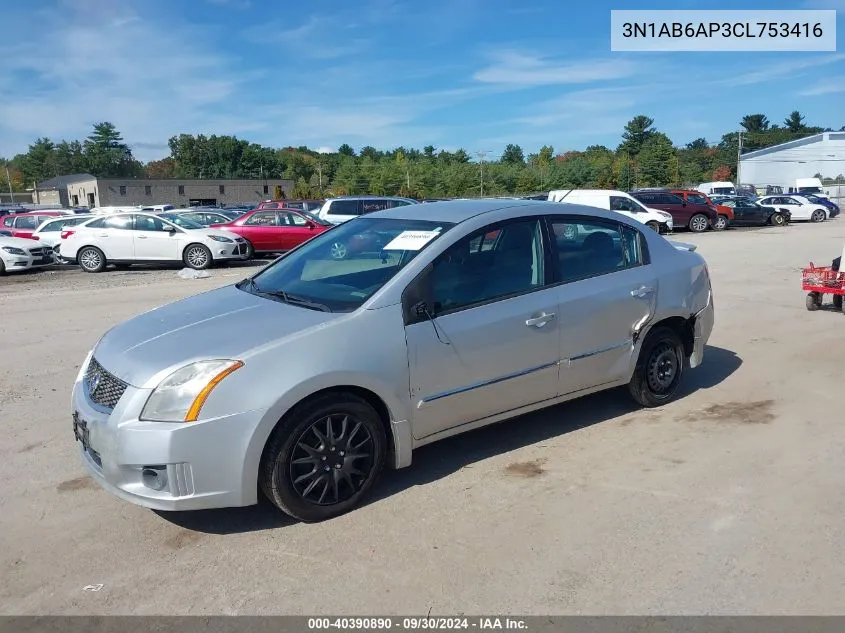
311,226
422,310
171,229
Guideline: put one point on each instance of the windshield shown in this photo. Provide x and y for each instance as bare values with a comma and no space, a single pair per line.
341,268
179,220
809,190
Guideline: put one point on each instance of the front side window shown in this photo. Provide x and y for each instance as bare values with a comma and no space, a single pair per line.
27,222
339,269
262,219
369,206
178,220
469,274
621,203
590,247
696,198
344,207
294,219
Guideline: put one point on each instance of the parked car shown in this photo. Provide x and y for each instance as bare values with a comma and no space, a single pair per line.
307,379
717,188
832,207
206,218
617,201
49,232
724,215
24,224
338,210
749,213
132,238
158,208
697,217
18,253
312,206
799,207
274,231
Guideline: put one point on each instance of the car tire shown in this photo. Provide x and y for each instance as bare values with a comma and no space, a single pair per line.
197,256
91,259
2,267
699,223
653,225
250,250
777,219
838,303
721,223
813,301
338,251
818,216
304,439
660,366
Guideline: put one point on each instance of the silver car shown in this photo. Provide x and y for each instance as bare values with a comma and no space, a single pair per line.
307,379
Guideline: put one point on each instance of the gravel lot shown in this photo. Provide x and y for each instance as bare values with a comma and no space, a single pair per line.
729,500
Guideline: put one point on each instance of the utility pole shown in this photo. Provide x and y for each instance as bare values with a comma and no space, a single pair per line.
9,180
408,177
481,156
320,176
739,162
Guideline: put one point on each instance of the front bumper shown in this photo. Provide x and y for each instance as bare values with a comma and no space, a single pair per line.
222,250
14,263
202,465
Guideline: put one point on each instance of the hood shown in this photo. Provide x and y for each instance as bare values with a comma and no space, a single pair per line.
222,323
661,213
19,242
213,231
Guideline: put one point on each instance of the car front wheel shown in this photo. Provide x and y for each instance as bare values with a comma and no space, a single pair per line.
659,368
324,457
818,215
653,225
721,222
197,256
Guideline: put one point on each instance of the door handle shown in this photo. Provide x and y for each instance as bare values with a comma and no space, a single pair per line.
642,291
103,235
540,320
141,237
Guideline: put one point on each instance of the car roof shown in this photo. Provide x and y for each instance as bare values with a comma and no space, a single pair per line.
457,211
369,198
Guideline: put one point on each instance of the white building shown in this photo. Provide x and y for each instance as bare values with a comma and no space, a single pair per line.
781,164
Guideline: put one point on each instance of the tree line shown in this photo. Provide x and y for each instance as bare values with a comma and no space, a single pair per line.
644,157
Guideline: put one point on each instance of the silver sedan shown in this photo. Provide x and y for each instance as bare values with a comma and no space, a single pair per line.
307,379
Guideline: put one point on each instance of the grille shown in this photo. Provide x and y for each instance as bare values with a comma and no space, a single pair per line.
38,252
103,388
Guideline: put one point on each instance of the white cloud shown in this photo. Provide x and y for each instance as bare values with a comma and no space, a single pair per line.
833,86
783,70
520,70
325,150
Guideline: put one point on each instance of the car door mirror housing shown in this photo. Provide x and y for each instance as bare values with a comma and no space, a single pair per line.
417,301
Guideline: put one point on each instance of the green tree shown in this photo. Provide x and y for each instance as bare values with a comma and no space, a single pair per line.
106,155
795,122
39,162
160,169
278,194
301,189
755,123
656,164
346,150
513,155
637,131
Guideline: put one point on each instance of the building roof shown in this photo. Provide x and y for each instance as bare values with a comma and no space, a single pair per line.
63,181
801,142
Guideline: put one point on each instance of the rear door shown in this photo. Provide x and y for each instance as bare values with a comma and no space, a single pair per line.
115,237
608,290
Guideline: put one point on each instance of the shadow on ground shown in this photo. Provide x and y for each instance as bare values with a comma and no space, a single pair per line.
443,458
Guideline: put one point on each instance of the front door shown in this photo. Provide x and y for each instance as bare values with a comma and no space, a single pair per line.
261,229
153,240
608,291
493,343
295,229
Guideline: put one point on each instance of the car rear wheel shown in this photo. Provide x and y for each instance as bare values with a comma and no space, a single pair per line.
197,256
818,215
837,303
339,251
91,259
324,457
721,222
698,223
777,219
653,225
659,368
813,301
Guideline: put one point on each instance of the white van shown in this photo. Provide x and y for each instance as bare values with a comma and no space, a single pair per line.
812,186
718,188
158,208
339,210
618,201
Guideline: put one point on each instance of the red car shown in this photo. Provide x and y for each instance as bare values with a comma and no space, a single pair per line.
276,230
24,224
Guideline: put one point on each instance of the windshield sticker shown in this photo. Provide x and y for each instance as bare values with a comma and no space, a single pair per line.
410,240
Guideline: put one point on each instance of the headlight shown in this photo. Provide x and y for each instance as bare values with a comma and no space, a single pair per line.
180,396
665,214
14,251
220,238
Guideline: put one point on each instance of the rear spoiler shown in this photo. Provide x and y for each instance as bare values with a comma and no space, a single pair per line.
684,246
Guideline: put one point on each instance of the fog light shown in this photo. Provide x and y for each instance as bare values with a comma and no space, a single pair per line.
154,477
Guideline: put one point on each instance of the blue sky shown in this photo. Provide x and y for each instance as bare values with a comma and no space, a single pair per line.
476,74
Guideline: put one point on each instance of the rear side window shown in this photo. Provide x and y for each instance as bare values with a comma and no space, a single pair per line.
27,222
344,207
54,227
399,203
123,222
96,224
591,247
8,221
369,206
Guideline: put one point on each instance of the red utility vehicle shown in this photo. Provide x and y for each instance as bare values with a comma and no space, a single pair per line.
24,224
274,230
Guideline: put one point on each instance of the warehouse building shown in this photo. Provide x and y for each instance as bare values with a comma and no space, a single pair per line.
782,164
84,190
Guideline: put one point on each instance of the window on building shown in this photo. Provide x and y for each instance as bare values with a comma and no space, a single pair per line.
75,201
122,190
148,190
221,189
181,190
266,189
